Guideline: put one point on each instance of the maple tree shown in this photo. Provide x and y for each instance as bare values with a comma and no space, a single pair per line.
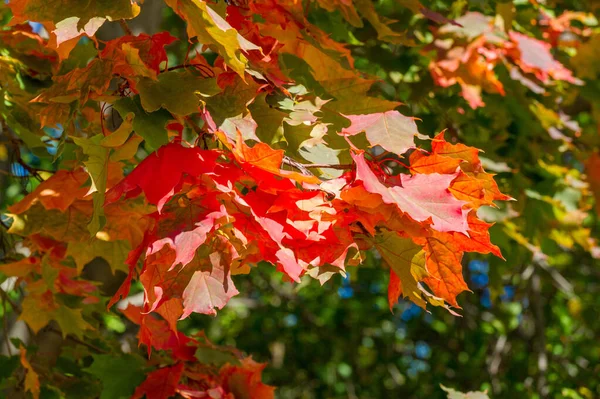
253,139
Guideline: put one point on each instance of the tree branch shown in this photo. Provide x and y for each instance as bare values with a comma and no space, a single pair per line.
80,342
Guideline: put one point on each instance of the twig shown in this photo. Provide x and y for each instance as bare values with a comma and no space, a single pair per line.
304,167
33,172
539,344
12,303
4,224
205,69
297,165
194,127
125,27
80,342
495,360
5,328
559,280
329,166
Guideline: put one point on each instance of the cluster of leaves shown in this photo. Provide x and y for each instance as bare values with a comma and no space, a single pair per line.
529,328
533,342
468,54
214,206
265,137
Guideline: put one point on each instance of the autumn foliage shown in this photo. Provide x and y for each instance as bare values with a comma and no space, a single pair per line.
263,143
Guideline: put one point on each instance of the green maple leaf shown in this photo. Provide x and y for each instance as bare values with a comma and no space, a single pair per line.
232,101
120,375
97,167
70,321
176,92
37,315
58,10
215,356
380,23
114,252
151,126
269,120
406,259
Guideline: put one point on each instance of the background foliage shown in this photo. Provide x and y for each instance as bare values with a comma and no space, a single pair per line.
528,329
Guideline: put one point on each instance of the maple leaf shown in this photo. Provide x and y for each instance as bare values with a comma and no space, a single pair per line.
472,67
131,262
470,26
65,35
171,310
459,151
478,239
208,290
32,380
186,243
159,174
114,252
119,374
434,163
472,64
268,120
391,130
155,333
57,192
57,10
346,8
556,29
97,166
406,260
244,381
443,262
289,263
422,197
473,184
71,321
533,56
176,92
210,28
161,383
150,126
268,159
20,268
394,289
344,85
150,48
380,23
37,310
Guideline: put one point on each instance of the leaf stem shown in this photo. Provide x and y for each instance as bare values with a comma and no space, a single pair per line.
125,27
